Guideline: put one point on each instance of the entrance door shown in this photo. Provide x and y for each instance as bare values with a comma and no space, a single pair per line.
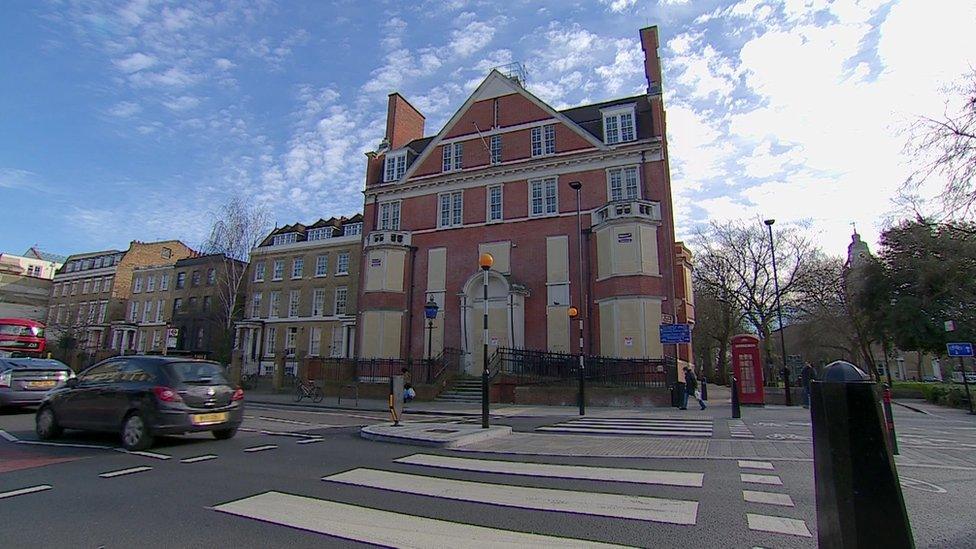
499,320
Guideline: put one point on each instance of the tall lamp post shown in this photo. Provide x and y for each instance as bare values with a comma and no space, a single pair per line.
779,312
485,261
430,313
577,186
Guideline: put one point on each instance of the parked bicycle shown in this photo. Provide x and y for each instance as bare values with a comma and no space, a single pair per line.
306,389
249,381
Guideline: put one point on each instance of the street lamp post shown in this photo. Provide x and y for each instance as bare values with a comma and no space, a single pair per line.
779,313
485,261
577,186
430,313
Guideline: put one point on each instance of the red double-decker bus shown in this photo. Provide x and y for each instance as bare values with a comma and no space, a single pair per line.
21,337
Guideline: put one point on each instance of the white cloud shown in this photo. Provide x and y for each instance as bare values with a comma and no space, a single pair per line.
134,63
224,64
625,74
471,38
125,109
618,6
182,103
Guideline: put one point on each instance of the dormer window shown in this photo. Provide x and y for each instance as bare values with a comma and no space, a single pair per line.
618,124
320,234
452,157
353,229
396,166
287,238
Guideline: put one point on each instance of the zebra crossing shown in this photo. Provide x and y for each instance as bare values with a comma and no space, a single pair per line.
664,427
667,497
739,429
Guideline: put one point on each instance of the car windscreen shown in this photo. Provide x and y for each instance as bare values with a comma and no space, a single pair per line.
32,364
205,373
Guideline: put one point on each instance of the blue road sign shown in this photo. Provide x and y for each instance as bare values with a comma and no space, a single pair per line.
960,349
675,333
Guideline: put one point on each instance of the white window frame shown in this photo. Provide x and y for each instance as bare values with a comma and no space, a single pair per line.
297,268
615,115
488,203
159,310
256,305
102,311
543,140
163,282
97,286
450,213
544,185
452,155
322,233
394,166
150,284
352,229
318,302
622,173
86,283
259,271
133,311
274,304
270,337
495,149
342,263
291,340
278,270
314,341
344,293
389,216
286,238
294,303
147,311
322,265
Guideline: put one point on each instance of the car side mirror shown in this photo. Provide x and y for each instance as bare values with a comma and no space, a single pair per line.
73,382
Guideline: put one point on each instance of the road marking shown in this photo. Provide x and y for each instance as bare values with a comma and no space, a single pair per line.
625,425
665,421
65,444
205,457
746,464
150,454
767,497
760,479
544,499
311,440
278,419
624,431
382,528
639,476
120,472
22,491
909,482
778,525
261,448
8,436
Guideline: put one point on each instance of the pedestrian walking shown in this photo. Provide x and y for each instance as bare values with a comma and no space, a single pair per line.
806,376
691,389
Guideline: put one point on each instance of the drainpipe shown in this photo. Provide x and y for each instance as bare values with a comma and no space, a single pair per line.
413,278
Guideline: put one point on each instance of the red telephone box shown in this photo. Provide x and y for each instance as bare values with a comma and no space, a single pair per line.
747,365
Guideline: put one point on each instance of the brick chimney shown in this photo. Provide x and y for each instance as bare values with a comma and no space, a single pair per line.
652,62
404,123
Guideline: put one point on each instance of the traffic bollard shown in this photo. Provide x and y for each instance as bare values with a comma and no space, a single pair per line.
890,420
396,399
736,412
859,499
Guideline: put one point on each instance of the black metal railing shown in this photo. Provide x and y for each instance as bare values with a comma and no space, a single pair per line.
545,368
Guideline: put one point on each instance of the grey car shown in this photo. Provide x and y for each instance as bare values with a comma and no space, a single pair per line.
25,381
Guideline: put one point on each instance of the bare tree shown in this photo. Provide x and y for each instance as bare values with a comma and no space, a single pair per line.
238,227
734,261
945,148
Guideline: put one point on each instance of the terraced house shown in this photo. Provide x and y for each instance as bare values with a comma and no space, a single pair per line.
91,293
501,177
303,283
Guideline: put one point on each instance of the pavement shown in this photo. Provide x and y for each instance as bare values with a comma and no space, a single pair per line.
304,478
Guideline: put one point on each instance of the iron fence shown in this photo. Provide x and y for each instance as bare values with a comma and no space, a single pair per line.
545,368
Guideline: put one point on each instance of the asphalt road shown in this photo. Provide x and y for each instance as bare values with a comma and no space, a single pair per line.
264,488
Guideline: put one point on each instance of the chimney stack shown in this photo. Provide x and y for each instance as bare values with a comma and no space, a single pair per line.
652,62
404,123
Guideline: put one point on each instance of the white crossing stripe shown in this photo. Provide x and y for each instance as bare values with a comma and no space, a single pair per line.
767,497
778,525
311,440
205,457
746,464
8,436
674,421
150,454
598,430
638,476
760,479
120,472
383,528
544,499
639,425
739,429
261,448
22,491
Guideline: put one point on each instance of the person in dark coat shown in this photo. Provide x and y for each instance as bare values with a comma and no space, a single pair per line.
806,376
691,389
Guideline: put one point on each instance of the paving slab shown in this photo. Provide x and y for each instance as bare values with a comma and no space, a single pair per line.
437,435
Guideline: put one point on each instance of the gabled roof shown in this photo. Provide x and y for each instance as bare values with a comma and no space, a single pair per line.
494,85
590,118
44,256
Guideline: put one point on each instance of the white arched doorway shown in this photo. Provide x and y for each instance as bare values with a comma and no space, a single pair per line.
506,318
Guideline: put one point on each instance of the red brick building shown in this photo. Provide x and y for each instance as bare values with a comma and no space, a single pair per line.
496,178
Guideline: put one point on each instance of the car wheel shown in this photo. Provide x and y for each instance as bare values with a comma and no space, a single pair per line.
47,425
317,395
135,433
224,434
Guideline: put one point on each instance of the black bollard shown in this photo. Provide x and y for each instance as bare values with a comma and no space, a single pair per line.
786,386
736,411
859,500
704,388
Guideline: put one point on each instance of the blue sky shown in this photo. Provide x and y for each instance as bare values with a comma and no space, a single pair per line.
132,120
